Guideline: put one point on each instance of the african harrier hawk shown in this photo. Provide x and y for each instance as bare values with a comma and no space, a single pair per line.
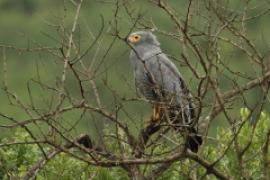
161,83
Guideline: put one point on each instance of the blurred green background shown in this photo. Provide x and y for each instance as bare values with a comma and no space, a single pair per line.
34,23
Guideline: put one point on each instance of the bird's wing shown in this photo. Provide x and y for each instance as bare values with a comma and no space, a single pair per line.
165,73
169,79
172,67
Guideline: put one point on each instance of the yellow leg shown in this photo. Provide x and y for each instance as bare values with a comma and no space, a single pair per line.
156,113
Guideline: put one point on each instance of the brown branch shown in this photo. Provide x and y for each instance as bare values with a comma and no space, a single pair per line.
266,160
239,90
208,166
251,84
32,173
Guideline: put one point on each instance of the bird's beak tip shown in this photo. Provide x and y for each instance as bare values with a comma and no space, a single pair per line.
127,39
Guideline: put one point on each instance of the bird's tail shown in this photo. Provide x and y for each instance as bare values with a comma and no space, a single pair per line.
193,140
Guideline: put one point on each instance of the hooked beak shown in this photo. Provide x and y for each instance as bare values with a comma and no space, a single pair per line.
129,39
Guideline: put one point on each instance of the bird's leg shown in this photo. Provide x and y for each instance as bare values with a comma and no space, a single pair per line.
150,128
156,113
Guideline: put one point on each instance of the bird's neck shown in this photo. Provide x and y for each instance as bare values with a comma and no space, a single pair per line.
146,52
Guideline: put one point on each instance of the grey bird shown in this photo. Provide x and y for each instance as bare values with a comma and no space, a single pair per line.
160,82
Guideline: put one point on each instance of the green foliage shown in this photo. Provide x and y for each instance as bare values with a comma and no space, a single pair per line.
17,159
251,135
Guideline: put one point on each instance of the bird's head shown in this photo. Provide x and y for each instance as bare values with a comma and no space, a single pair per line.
142,38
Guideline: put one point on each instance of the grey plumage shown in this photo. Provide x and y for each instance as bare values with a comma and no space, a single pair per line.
159,80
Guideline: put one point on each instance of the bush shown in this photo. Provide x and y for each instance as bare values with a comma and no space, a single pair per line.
17,159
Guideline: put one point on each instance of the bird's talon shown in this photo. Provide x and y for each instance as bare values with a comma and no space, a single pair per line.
156,114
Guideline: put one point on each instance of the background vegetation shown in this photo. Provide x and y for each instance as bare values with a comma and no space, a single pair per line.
34,34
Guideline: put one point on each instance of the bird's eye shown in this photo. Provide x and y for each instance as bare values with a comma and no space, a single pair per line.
134,38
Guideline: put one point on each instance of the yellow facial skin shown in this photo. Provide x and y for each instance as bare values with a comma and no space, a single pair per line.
134,38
